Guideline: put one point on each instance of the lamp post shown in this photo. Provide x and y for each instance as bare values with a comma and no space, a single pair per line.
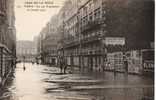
63,40
102,42
103,51
80,43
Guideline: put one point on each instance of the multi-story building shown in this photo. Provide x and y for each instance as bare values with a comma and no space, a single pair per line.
100,27
26,51
69,27
97,34
92,22
83,29
134,21
50,49
7,38
49,42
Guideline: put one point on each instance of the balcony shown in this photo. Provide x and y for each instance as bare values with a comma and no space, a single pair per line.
75,41
91,51
2,17
2,13
92,38
71,42
91,25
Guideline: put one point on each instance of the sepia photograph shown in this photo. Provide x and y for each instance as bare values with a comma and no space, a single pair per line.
77,49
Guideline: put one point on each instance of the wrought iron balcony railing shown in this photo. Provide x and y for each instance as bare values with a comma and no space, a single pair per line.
91,25
92,38
2,13
72,42
76,41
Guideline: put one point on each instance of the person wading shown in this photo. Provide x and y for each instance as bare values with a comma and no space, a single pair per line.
24,68
61,64
64,65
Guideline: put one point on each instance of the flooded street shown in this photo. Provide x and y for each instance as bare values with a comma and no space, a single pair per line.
39,82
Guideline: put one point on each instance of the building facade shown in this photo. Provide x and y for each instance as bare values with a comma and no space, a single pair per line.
50,50
48,43
100,33
26,51
84,28
7,39
106,34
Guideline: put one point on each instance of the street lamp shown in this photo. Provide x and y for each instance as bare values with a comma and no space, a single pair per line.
103,51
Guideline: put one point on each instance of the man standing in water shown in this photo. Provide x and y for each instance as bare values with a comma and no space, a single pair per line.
24,63
65,65
60,63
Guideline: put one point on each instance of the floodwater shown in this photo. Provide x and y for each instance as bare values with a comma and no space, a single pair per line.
40,82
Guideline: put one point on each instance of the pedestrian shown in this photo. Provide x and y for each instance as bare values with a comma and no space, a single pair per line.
65,66
125,60
100,67
24,63
126,66
24,68
60,64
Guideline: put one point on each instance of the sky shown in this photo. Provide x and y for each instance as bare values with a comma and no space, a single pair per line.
30,23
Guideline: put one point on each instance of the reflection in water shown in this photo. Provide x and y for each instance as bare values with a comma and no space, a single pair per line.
44,83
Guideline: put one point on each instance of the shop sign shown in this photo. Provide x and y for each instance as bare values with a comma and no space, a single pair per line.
114,41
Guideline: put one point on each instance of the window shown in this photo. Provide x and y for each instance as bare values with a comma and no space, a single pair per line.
97,13
103,13
2,5
90,16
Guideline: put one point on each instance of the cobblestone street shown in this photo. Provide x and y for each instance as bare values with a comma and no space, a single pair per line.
39,82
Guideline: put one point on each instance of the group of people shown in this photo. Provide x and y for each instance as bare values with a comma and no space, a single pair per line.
62,64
